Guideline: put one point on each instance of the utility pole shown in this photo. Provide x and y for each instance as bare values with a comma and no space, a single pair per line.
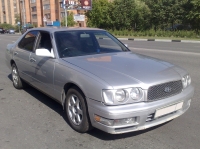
20,10
65,17
24,13
42,13
64,6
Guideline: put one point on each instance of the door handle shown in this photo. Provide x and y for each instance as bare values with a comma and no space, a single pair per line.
15,53
32,60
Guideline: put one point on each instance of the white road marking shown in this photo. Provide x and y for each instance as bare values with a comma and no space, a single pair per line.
166,51
163,40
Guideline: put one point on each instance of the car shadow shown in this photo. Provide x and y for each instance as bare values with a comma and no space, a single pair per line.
46,100
10,77
94,132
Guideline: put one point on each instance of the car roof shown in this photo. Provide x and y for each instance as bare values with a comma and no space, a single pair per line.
55,29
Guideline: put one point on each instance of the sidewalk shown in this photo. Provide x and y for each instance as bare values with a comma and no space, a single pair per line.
160,40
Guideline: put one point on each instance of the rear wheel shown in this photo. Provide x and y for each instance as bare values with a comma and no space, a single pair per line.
76,111
17,82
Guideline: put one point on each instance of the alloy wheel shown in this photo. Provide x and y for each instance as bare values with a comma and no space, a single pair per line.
75,110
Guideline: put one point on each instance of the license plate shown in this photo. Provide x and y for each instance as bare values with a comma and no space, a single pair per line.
169,109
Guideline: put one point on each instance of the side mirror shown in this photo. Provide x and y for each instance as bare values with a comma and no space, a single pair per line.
126,45
44,53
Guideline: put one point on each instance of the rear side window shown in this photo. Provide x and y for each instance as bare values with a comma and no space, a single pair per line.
27,43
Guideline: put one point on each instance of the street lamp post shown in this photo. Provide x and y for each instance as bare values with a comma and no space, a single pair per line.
23,10
64,6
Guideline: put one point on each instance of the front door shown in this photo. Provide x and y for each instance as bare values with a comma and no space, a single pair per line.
43,67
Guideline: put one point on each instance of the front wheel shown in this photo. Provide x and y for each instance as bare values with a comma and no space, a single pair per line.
76,111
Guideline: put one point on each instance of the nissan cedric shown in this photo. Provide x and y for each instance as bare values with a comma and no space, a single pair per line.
98,81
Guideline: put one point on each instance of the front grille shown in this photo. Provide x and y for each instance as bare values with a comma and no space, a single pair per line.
164,90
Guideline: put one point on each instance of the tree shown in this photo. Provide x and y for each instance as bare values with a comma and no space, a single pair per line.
17,18
99,16
194,15
119,14
165,12
70,20
7,26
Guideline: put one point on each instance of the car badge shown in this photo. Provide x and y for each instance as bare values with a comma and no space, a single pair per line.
168,89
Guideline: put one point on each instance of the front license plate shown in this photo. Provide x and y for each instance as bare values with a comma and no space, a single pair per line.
169,109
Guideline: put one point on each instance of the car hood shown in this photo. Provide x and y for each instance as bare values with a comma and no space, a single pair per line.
126,69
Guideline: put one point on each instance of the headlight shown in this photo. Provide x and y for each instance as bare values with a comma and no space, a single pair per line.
121,96
186,81
136,94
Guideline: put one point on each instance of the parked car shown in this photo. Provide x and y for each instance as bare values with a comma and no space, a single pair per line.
178,27
2,31
98,80
11,31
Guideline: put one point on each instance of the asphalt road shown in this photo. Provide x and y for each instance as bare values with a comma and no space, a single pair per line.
31,120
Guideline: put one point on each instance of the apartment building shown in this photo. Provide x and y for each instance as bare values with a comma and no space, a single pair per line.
37,12
8,10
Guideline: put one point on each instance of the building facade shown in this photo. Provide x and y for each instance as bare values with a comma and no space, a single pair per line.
8,11
37,12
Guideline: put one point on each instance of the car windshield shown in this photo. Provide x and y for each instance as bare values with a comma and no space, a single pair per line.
81,43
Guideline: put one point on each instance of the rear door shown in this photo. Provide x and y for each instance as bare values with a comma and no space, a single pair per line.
22,55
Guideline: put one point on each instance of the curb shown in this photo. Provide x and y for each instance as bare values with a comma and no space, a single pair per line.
160,40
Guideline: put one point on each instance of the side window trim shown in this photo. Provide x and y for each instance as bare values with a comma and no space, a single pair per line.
39,37
37,41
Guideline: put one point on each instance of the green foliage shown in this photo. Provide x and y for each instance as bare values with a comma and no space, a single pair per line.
153,33
7,26
194,14
17,18
70,20
145,17
99,16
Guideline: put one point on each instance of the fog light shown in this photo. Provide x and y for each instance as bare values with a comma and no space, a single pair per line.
104,121
125,121
119,122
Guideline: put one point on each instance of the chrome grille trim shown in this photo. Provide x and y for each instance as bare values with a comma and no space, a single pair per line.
157,92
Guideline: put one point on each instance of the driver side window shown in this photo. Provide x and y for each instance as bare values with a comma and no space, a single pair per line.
44,41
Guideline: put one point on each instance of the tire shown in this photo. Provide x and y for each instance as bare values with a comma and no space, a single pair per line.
76,111
17,82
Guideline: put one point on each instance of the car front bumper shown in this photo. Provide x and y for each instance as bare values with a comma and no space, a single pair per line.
140,111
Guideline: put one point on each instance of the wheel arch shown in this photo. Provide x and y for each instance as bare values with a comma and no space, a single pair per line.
66,88
12,62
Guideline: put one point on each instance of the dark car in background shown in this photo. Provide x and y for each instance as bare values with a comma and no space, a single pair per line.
2,31
179,27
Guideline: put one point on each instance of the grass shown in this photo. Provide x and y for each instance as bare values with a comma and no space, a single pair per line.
159,34
151,37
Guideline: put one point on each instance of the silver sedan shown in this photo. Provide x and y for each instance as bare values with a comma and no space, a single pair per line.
98,81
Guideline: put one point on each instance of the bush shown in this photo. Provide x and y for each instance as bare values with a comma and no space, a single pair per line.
153,33
7,26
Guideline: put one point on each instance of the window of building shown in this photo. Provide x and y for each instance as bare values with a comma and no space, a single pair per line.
33,9
46,6
32,1
62,14
61,4
48,16
34,16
